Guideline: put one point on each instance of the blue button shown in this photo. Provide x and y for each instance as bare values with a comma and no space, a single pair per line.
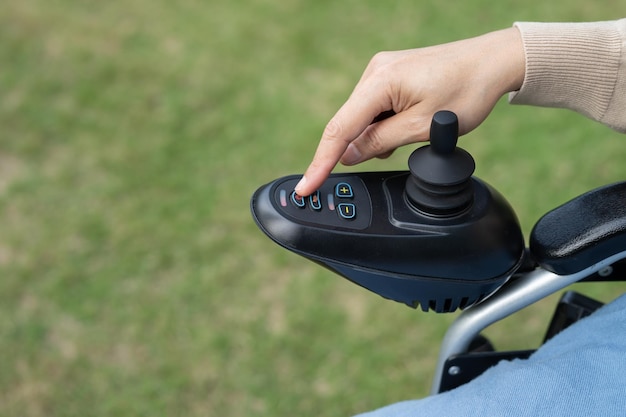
343,190
314,200
297,200
347,210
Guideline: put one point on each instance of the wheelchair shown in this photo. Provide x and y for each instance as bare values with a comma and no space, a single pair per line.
439,239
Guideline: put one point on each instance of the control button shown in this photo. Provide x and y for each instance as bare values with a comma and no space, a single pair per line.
347,210
343,190
314,200
297,200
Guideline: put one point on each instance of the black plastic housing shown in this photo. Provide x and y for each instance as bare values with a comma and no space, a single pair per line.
384,244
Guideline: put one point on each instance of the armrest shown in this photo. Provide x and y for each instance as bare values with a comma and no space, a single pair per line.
581,232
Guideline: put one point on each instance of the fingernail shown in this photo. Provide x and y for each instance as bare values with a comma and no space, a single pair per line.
351,156
300,184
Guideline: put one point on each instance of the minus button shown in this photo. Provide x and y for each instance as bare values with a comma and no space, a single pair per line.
347,210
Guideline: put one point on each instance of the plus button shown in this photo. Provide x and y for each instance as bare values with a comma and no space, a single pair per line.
343,190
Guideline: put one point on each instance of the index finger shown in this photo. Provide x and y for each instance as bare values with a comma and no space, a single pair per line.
347,124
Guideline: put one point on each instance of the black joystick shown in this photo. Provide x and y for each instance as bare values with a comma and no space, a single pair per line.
440,182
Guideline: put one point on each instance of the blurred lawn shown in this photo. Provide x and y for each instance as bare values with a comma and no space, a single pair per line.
133,133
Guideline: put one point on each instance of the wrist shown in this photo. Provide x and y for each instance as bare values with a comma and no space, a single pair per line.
505,61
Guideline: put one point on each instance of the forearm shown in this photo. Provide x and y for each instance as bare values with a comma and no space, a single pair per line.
579,66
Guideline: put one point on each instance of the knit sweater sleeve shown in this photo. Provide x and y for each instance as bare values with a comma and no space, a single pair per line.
578,66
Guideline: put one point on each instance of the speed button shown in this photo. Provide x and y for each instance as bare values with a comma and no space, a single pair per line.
347,211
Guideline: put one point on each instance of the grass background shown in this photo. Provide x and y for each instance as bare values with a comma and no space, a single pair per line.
132,135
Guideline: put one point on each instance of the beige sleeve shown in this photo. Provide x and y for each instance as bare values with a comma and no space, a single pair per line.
578,66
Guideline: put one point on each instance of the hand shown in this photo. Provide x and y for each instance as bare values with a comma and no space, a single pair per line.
466,77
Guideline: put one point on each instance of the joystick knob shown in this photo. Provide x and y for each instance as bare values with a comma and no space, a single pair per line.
440,183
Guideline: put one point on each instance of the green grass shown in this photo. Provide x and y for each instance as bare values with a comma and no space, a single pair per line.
133,134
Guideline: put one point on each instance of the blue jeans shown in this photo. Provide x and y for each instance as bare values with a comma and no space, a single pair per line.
579,372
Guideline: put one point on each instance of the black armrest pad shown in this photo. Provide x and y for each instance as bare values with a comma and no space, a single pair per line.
581,232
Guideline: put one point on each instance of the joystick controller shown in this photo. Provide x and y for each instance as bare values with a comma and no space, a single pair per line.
434,237
440,181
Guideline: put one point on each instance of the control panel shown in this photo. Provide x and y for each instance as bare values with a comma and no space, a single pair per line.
342,202
433,236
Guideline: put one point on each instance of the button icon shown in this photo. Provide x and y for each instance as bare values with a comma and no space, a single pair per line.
331,201
347,210
314,200
343,190
297,200
283,198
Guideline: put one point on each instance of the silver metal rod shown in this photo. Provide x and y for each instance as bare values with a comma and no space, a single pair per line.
511,298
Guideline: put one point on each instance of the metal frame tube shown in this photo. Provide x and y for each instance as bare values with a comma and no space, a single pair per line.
511,298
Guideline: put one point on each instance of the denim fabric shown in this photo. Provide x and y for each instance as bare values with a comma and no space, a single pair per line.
579,372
